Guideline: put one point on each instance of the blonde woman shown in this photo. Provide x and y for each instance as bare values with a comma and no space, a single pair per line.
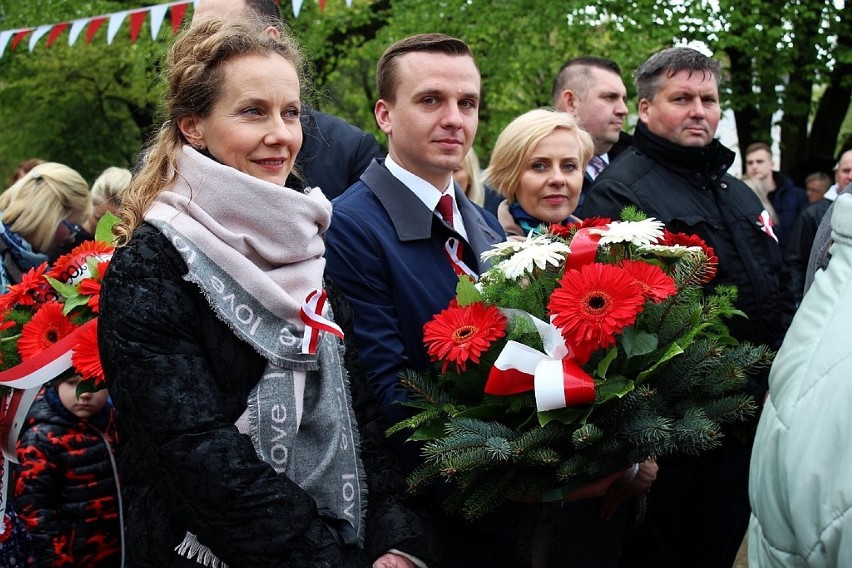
469,177
537,165
106,194
42,215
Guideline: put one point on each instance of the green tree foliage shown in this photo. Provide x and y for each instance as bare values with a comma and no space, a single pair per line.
91,106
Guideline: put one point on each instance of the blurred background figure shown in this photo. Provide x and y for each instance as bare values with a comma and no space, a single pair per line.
23,168
538,165
106,194
816,185
469,177
41,215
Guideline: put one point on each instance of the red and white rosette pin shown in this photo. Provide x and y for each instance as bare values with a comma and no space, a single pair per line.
765,223
454,250
311,314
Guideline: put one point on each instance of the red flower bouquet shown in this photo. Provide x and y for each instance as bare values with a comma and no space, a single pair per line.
48,327
582,351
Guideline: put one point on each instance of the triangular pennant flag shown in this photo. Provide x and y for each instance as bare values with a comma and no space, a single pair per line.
76,29
39,33
158,14
94,25
115,21
348,3
178,10
4,40
322,5
20,35
136,21
55,33
297,7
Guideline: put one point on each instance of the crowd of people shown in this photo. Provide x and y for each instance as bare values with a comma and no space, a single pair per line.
273,275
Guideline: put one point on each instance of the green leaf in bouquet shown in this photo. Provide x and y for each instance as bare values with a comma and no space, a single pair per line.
673,350
563,415
104,230
431,430
637,342
603,365
466,292
67,291
615,386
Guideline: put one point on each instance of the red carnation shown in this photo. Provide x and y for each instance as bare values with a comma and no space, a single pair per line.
594,303
671,239
46,327
86,358
566,230
462,333
655,283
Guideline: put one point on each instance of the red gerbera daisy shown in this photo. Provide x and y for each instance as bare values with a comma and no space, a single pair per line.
85,357
30,291
70,267
655,283
47,326
670,239
594,303
462,333
92,287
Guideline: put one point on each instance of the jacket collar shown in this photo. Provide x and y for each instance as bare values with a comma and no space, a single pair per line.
412,220
711,161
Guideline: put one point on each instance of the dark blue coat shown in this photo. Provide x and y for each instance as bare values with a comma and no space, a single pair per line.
788,201
385,251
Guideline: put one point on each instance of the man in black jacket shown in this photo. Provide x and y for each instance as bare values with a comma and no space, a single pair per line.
676,172
591,89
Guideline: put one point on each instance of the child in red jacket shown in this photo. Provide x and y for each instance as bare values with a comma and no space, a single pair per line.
66,490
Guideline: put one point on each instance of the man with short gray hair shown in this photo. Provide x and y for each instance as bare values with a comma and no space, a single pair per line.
677,172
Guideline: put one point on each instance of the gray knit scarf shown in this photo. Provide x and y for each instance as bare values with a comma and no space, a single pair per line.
255,250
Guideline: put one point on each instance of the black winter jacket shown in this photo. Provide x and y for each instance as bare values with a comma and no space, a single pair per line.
689,190
180,378
66,491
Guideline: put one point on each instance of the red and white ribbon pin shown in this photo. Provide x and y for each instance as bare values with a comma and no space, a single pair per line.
311,314
454,249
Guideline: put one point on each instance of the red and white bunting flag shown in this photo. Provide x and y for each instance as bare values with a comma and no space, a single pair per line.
158,14
77,27
136,20
115,21
5,36
39,33
297,7
178,11
94,25
56,32
19,36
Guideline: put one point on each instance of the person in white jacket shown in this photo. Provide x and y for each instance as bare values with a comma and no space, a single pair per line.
801,467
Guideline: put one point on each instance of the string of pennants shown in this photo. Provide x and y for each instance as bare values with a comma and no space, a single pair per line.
88,27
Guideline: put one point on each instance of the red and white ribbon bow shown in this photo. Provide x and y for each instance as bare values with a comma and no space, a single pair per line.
555,377
765,222
454,249
311,314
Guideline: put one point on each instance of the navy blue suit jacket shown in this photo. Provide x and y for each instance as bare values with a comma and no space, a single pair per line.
384,249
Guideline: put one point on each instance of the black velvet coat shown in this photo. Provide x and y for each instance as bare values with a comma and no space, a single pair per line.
179,379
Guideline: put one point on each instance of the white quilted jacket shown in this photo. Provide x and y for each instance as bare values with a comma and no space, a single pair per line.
801,467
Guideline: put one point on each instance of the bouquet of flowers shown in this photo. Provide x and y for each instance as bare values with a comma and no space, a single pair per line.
583,350
48,326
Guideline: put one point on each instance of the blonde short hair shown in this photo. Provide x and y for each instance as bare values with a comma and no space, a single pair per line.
110,185
516,143
38,202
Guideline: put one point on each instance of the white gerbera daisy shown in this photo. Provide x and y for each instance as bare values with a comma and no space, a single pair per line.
535,252
503,250
640,233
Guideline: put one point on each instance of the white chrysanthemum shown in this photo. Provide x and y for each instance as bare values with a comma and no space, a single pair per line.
537,252
503,250
640,233
673,251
